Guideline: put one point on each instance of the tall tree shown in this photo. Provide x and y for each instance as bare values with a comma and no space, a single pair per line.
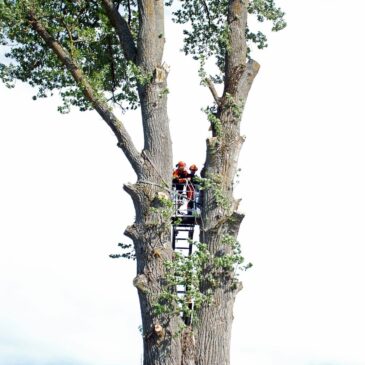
103,53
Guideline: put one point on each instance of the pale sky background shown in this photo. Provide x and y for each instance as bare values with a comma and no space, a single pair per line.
63,210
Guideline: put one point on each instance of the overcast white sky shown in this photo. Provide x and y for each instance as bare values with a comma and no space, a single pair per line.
63,211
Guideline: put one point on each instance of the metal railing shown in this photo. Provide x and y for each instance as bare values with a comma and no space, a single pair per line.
186,199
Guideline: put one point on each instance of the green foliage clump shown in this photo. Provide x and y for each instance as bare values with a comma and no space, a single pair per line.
267,10
215,122
200,273
128,252
264,10
184,271
226,264
235,108
231,262
214,184
164,207
83,30
208,34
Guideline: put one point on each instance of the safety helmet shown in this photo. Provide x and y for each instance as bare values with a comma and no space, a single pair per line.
181,164
193,168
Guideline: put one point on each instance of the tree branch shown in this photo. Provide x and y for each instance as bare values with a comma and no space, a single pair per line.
122,29
98,101
213,90
129,13
206,9
244,86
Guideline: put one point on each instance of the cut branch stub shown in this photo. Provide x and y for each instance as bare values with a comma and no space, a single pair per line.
131,232
234,223
159,331
141,283
160,74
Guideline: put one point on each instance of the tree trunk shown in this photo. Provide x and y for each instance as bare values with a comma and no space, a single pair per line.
151,231
215,320
222,219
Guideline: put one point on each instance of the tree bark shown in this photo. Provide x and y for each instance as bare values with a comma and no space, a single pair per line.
213,332
150,233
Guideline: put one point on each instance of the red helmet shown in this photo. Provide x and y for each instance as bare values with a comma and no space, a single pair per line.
181,164
193,168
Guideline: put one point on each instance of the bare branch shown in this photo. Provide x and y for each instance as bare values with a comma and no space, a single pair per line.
98,101
213,90
129,13
112,66
122,29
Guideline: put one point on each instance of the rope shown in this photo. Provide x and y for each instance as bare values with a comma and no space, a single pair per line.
154,184
153,165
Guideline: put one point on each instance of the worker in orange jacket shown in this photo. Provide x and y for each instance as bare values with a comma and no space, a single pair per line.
190,189
179,176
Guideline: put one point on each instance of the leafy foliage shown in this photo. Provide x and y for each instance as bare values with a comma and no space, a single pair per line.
265,10
128,252
184,271
208,32
82,28
214,184
199,273
215,122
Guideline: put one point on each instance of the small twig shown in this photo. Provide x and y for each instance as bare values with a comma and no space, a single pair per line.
206,8
129,13
112,67
72,46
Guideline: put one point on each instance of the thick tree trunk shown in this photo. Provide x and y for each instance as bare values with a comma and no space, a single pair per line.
215,321
151,232
219,220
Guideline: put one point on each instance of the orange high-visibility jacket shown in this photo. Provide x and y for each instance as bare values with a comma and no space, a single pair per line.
179,176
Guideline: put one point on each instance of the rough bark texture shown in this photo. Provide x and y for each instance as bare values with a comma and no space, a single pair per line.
213,332
150,233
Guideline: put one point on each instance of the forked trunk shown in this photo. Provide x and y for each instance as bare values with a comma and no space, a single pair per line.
205,341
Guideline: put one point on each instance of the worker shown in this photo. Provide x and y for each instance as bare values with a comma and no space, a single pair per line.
180,175
191,187
193,169
179,179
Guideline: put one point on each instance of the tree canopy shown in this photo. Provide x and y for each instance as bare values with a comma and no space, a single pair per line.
84,30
